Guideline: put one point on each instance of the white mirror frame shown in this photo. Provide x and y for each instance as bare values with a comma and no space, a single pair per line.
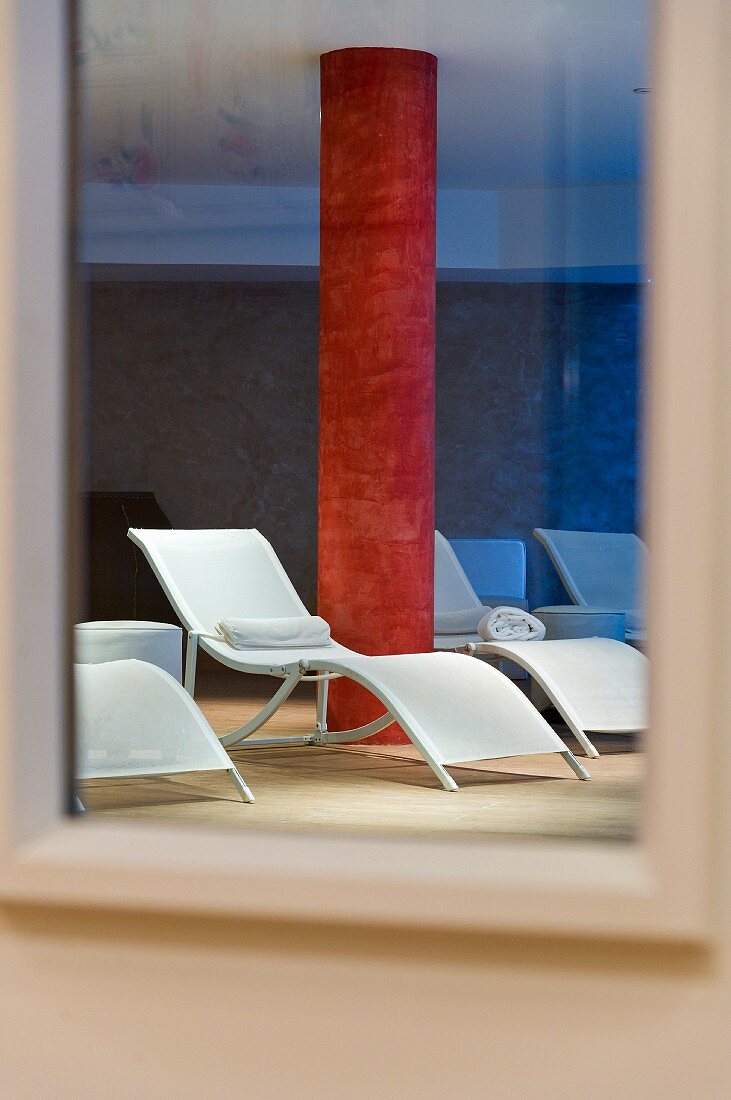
659,887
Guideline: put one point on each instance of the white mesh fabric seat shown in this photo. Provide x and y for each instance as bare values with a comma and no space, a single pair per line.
596,684
452,592
452,589
452,709
134,719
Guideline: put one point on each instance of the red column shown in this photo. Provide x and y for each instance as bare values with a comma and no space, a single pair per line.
377,290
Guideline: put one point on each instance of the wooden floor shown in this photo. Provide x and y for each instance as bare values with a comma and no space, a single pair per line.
384,788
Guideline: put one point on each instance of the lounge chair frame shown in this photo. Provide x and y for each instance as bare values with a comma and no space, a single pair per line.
323,664
291,676
294,674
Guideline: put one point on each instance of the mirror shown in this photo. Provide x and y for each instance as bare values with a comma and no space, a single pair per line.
363,290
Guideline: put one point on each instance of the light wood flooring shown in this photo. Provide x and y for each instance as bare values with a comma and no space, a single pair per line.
380,788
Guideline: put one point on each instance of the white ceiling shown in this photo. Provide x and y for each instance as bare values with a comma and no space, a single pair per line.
226,91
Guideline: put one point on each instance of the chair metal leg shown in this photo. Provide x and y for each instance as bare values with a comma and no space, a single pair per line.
343,737
241,787
575,764
394,713
321,716
550,699
441,773
581,737
236,736
191,659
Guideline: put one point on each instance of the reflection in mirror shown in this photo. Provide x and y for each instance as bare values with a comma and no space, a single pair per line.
363,290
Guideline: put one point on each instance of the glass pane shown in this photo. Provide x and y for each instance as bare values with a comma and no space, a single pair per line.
363,292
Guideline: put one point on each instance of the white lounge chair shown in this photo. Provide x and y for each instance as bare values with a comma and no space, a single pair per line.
452,709
596,684
134,719
600,569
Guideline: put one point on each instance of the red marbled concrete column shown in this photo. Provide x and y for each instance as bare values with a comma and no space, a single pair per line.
377,290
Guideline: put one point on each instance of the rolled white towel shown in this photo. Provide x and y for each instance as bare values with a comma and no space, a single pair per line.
298,632
459,622
510,624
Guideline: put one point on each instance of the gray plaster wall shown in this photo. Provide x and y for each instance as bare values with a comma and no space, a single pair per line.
206,394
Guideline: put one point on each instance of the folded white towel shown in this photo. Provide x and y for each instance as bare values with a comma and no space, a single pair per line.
510,624
299,632
459,622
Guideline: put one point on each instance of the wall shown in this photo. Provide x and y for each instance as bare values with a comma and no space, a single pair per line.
119,1006
206,393
115,1005
536,414
596,225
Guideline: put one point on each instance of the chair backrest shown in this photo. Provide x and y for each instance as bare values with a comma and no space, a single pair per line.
596,568
452,589
211,575
495,567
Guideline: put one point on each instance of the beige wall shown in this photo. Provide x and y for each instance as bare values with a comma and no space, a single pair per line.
111,1006
98,1005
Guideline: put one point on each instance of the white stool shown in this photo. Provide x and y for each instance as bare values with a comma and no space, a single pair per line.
157,643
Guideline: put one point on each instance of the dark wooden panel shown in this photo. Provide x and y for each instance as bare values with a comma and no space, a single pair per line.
121,583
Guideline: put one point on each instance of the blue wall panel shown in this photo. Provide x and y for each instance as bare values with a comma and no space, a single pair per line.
537,413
